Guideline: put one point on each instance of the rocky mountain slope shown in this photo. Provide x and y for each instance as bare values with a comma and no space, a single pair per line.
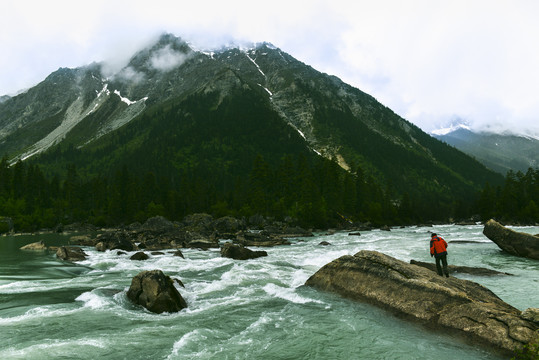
175,108
499,152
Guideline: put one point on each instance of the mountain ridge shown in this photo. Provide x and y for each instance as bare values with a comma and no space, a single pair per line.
499,152
253,99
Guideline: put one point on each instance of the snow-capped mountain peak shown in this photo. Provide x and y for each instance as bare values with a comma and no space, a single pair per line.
450,129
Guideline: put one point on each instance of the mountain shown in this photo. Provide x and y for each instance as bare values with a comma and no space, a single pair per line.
219,120
499,152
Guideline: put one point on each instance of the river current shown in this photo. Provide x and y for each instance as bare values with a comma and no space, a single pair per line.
254,309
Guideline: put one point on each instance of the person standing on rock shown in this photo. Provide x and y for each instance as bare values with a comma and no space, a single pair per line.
438,249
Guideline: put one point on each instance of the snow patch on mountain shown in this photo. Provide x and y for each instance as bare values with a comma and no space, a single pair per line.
105,91
267,90
450,129
254,62
124,99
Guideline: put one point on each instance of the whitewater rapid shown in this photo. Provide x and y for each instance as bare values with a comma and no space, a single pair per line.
254,309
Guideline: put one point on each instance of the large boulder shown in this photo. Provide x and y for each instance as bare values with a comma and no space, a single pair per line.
71,253
139,256
420,294
461,269
228,225
513,242
239,252
114,240
156,292
158,224
200,223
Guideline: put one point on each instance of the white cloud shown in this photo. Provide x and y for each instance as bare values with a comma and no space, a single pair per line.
129,74
166,59
429,61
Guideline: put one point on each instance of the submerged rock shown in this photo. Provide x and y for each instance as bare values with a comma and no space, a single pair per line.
156,292
513,242
239,252
178,253
420,294
139,256
70,253
36,246
461,269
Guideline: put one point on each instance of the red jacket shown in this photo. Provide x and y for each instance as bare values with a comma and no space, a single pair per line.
438,246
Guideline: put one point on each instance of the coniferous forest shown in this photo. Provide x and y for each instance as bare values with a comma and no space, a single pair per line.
314,193
234,157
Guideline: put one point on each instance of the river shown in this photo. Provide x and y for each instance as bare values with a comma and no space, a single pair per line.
254,309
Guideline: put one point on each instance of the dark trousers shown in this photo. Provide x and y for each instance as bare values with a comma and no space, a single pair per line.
443,259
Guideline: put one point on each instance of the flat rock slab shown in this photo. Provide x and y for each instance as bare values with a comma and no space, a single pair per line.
513,242
36,246
461,269
420,294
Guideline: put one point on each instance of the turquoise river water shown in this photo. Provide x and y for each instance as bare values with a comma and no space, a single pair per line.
255,309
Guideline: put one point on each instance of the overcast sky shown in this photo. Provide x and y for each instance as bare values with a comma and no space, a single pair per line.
430,61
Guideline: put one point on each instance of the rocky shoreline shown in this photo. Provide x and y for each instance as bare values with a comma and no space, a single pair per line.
199,231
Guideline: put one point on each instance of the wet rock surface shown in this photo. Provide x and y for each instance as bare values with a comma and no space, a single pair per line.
35,246
197,231
413,292
71,253
239,252
461,269
513,242
156,292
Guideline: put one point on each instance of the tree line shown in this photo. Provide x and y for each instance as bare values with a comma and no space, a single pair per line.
315,192
516,201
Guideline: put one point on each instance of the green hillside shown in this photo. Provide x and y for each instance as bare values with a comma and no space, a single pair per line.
239,133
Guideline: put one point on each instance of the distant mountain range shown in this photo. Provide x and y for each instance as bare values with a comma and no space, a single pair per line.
174,109
499,152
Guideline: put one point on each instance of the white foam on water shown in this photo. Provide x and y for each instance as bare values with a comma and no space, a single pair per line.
299,278
53,348
93,300
21,287
287,294
321,259
36,314
189,339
